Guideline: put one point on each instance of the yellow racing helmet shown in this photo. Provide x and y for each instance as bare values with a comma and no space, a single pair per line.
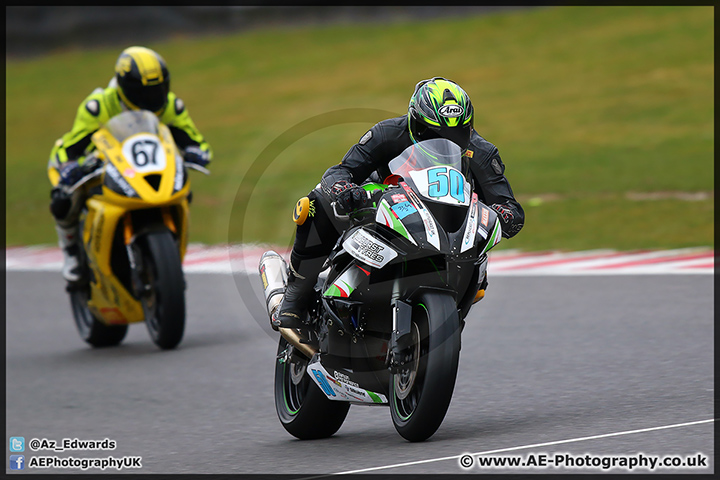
143,79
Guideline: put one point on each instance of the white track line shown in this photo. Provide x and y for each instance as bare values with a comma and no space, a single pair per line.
510,449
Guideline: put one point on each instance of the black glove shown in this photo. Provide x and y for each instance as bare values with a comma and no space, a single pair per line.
349,196
504,211
70,173
196,155
510,225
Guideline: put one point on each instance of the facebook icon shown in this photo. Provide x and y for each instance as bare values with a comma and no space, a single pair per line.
17,462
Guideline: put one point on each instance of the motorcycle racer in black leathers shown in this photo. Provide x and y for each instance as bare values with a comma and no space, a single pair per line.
438,108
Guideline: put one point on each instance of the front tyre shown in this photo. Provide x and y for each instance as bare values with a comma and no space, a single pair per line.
164,303
420,394
304,411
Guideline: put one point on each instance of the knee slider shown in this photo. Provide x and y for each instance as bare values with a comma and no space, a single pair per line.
303,209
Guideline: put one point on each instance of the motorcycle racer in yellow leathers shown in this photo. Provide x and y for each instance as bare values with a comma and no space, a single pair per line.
141,82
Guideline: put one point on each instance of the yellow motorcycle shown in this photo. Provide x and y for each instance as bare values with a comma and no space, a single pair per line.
134,233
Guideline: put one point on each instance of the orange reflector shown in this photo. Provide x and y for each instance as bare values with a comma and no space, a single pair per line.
168,219
128,229
479,295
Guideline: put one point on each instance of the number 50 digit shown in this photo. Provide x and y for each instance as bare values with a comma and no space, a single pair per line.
437,182
439,185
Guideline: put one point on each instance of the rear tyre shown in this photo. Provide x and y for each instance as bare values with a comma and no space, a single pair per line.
92,330
420,394
304,411
164,304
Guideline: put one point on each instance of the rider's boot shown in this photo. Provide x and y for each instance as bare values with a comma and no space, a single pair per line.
69,241
302,276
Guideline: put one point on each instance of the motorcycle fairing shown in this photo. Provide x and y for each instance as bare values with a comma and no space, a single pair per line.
139,174
471,225
109,299
336,388
357,332
346,283
388,216
108,222
443,184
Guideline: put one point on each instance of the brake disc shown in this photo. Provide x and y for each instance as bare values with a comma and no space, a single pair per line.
405,378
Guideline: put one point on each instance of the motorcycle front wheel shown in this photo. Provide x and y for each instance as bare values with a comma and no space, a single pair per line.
420,393
164,304
303,409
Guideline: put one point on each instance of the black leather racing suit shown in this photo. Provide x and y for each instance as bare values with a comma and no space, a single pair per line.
368,160
389,138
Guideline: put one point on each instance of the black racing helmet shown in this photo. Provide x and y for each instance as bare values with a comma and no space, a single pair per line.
143,79
439,108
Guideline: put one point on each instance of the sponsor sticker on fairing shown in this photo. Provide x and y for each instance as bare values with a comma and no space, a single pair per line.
366,248
431,231
340,387
485,216
403,209
471,226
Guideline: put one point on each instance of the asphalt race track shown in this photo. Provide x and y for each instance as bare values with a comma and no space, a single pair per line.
546,363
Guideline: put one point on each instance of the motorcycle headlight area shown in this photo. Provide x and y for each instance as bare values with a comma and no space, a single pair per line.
369,249
115,182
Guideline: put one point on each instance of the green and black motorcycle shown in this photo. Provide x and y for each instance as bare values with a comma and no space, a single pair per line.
385,325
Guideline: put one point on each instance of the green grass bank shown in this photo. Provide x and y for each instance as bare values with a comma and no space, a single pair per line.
602,115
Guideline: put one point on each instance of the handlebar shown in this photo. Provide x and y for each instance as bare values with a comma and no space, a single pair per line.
195,166
354,213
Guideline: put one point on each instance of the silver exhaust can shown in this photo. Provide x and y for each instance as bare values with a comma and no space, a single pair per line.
273,274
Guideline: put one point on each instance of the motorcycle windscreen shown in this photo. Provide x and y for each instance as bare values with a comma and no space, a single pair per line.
131,122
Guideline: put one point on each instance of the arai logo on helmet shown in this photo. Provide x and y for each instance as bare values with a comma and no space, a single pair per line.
451,111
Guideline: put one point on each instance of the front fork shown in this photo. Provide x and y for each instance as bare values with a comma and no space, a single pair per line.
401,341
137,267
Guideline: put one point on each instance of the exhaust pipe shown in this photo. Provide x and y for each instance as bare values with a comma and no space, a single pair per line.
273,274
295,340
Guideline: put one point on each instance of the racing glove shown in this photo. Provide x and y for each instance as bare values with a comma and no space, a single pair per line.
509,227
70,172
194,154
504,211
348,195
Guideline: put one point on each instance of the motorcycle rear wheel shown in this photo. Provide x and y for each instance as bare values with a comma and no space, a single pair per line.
165,305
420,394
304,411
92,330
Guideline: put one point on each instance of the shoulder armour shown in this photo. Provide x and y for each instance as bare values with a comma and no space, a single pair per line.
179,106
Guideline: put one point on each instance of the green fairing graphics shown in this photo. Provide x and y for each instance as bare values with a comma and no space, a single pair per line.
346,284
388,218
494,238
371,187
